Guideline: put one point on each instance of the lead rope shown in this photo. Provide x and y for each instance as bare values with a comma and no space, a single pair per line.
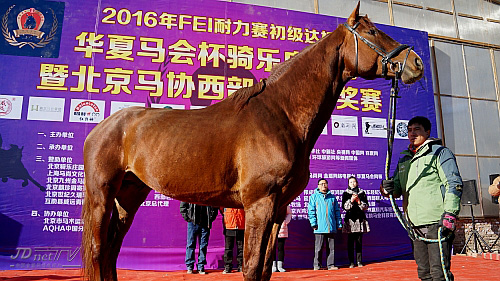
390,136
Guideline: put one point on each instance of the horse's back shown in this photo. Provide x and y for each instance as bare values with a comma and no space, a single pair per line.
168,149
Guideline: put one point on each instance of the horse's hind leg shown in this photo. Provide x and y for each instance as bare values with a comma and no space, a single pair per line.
127,202
259,220
100,192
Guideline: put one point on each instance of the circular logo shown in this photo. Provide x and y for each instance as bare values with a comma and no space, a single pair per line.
336,124
87,103
5,106
402,129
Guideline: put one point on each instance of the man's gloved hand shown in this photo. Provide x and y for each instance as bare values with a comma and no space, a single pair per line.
388,186
448,221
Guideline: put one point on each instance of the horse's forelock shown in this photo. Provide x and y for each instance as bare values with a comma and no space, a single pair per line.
367,21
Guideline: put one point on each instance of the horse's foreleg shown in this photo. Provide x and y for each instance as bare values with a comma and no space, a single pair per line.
271,247
127,202
259,219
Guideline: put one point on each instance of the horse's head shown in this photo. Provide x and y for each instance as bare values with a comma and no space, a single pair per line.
370,53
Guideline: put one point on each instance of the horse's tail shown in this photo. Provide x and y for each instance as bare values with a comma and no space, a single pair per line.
86,248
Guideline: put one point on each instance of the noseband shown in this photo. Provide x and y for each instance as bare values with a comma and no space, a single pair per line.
386,56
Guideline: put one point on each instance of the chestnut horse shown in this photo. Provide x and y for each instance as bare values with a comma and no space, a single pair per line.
248,151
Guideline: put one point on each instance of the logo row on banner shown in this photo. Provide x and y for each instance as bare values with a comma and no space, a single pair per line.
92,111
343,125
52,109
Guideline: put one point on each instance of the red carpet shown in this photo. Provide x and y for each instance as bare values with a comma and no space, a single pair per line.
464,268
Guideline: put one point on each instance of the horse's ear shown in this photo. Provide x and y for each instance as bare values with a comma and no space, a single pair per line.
354,17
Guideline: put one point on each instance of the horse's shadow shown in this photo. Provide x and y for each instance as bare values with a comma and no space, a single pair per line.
12,167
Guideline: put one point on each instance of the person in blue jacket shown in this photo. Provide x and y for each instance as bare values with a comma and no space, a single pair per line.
324,216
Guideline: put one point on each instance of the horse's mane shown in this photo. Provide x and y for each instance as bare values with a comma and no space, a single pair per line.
279,69
243,95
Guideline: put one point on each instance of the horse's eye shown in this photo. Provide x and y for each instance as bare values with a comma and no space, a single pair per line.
372,32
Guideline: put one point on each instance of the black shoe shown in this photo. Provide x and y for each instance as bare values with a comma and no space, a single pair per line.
226,271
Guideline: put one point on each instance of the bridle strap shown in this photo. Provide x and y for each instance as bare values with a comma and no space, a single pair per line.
356,47
386,56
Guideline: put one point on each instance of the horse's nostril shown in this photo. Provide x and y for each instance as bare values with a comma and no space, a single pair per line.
418,63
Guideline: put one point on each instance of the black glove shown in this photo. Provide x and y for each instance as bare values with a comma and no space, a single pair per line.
388,186
447,222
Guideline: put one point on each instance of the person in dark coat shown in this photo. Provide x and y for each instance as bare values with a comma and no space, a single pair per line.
199,219
355,203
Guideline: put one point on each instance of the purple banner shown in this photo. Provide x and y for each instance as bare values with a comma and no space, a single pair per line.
67,65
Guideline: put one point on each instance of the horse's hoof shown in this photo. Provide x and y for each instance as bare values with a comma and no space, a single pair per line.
5,179
24,184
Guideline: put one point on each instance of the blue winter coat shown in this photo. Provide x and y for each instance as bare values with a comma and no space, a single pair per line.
323,211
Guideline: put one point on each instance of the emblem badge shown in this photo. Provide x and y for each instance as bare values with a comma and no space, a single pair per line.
29,22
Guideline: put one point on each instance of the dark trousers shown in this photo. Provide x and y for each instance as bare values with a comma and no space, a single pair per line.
428,257
319,240
229,246
196,232
280,245
354,238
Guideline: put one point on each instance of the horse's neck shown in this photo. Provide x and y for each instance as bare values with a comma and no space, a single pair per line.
309,85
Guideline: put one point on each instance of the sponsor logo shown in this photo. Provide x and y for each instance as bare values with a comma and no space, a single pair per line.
87,111
171,106
46,109
197,106
119,105
11,107
5,107
31,28
401,129
374,127
344,125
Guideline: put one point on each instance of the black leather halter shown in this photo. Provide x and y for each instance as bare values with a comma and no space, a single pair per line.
386,56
